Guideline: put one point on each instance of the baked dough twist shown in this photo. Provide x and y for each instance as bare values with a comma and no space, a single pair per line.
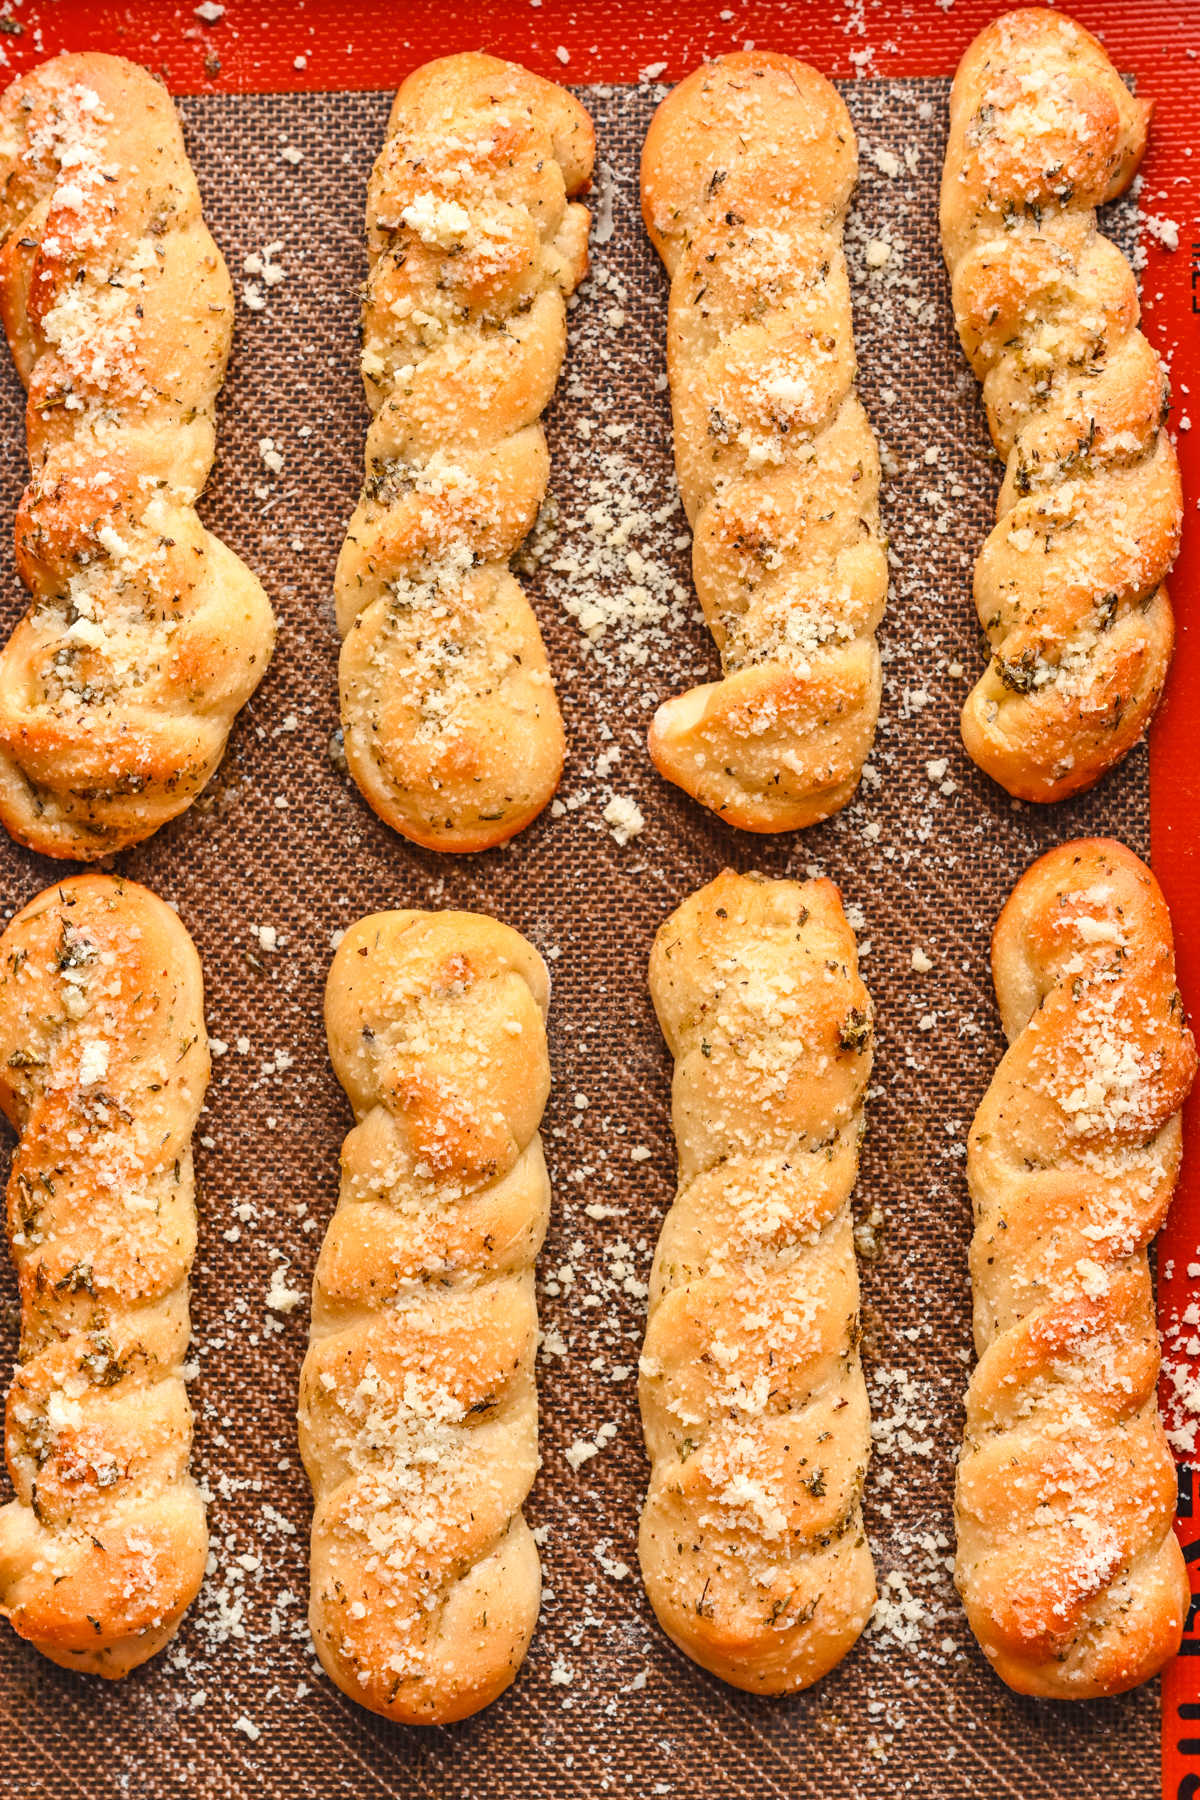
1068,1567
753,1401
747,172
450,721
145,633
1069,584
103,1067
418,1410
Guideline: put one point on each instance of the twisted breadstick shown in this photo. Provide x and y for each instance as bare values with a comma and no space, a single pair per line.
746,176
1068,585
752,1394
1068,1567
145,634
103,1067
418,1411
451,726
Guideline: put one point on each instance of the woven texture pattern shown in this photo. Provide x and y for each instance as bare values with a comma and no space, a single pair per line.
924,856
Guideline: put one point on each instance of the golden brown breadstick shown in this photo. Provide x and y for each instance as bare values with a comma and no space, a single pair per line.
418,1410
1068,1566
451,726
145,633
1069,585
103,1067
746,176
753,1401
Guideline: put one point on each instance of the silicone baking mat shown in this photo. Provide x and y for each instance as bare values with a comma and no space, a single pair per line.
282,854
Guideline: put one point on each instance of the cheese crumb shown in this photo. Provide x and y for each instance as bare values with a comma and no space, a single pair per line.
93,1064
280,1297
624,818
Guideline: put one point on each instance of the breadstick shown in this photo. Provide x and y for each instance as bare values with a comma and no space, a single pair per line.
753,1401
1068,1567
103,1067
746,176
418,1410
449,717
1069,584
145,633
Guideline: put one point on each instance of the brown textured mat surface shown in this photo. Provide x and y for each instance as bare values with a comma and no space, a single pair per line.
604,1705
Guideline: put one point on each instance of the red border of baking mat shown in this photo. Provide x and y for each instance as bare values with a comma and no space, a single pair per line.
324,45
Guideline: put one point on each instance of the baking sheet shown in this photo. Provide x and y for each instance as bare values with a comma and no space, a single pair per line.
282,854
